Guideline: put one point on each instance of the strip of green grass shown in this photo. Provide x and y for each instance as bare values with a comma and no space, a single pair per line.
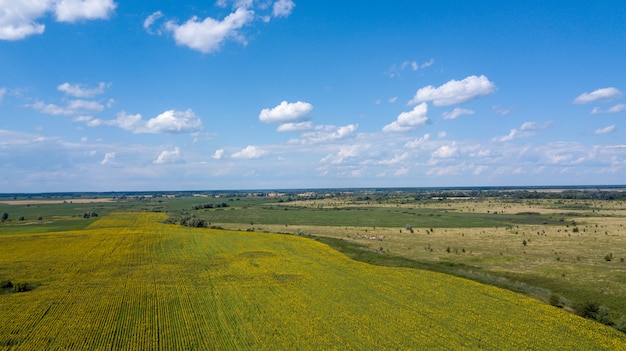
368,217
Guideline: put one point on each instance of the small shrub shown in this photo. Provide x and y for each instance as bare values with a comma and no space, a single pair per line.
6,284
621,324
555,300
22,287
608,257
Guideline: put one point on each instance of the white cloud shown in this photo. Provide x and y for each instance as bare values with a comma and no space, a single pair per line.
395,160
327,133
73,107
501,110
79,91
76,10
109,158
345,152
3,92
604,94
286,112
606,130
168,122
218,154
149,21
208,35
417,142
295,127
167,156
456,113
455,92
613,109
282,8
445,151
526,130
18,18
393,100
396,70
409,120
250,152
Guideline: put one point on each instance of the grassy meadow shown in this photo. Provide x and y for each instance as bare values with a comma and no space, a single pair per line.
127,281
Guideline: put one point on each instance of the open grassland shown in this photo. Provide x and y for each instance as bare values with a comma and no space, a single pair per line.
566,252
129,282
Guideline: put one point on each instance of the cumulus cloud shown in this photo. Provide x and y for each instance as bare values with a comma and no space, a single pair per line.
455,92
526,130
218,154
76,10
282,8
168,122
208,35
606,130
109,158
409,120
250,152
167,156
19,18
604,94
80,91
445,151
456,113
613,109
286,112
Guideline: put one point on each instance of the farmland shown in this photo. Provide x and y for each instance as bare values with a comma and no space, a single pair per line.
275,271
127,281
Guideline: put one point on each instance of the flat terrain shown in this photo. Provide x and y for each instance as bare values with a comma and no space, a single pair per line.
128,282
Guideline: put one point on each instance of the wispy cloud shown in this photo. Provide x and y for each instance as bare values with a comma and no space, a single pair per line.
80,91
604,94
606,130
613,109
456,113
526,130
282,8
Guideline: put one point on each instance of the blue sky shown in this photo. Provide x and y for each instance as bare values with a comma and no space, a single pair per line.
120,95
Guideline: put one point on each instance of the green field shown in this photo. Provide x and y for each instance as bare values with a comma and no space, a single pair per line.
129,282
563,251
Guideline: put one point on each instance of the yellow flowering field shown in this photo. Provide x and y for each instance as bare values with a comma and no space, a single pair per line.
129,282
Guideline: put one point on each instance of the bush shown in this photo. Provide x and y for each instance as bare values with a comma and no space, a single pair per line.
555,300
5,284
608,257
592,310
621,324
22,287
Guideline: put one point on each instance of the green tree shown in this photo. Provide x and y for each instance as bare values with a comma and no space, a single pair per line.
5,216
